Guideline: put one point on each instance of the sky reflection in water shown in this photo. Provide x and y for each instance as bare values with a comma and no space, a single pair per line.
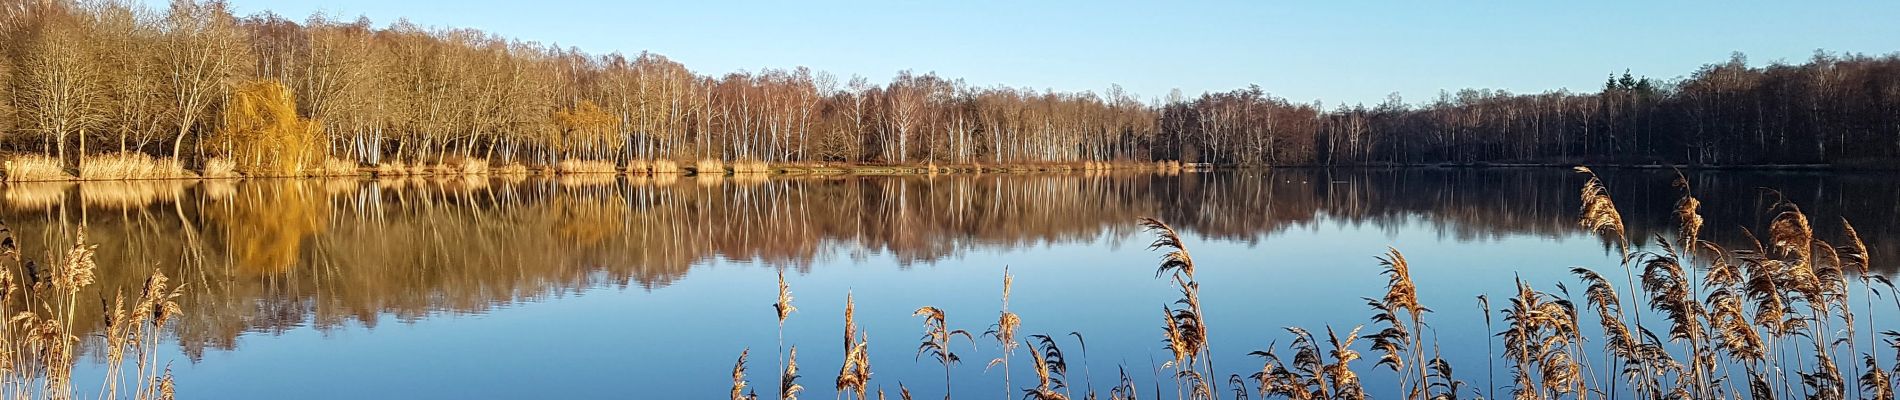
642,288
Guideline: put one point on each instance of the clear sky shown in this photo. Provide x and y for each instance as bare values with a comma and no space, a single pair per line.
1350,51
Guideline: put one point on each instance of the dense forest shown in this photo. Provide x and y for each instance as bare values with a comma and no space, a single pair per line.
193,82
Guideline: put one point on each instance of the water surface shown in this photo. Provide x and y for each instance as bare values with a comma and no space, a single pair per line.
603,287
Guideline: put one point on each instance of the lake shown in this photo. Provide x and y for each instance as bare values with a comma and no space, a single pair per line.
635,287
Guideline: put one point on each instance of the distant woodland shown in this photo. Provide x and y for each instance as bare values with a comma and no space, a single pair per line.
193,82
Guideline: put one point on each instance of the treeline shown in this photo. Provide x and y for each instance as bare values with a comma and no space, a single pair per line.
92,77
1835,108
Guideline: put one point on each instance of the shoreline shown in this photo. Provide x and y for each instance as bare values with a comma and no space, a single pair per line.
978,169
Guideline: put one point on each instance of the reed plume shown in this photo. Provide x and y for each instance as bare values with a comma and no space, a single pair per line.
785,309
738,378
1004,331
936,341
1540,331
855,374
1688,215
1394,340
788,387
1490,352
1599,214
1124,387
1186,327
784,304
1669,287
1051,370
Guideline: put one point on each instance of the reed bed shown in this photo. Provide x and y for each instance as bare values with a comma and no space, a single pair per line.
510,169
1769,320
337,167
709,167
29,167
467,166
392,169
39,343
665,167
124,166
750,167
219,168
639,167
573,166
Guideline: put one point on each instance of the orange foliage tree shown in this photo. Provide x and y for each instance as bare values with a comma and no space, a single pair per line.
262,134
584,129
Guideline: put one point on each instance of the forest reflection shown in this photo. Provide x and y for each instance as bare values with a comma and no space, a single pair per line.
272,255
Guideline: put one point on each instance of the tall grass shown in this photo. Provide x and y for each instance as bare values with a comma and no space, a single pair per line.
40,339
1769,320
573,166
709,166
218,167
31,167
116,166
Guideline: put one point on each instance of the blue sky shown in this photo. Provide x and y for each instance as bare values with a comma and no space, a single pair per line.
1337,51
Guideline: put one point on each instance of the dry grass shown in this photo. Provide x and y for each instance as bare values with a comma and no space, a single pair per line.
709,167
573,166
639,167
219,168
392,169
750,167
738,378
337,167
936,341
855,374
124,166
510,169
33,167
466,166
665,167
39,344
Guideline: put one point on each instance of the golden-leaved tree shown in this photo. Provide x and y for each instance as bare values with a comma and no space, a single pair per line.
262,133
585,129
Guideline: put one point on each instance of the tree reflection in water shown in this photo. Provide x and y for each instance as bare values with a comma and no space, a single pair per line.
272,255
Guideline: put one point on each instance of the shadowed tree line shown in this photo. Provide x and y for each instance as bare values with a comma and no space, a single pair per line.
90,77
268,256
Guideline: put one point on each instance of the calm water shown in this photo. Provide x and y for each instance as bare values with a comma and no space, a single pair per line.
638,288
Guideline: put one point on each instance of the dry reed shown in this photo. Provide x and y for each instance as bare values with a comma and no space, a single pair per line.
665,167
936,341
709,166
218,167
336,167
32,167
855,374
1004,331
392,169
510,169
738,378
750,167
122,166
39,341
573,166
1765,321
